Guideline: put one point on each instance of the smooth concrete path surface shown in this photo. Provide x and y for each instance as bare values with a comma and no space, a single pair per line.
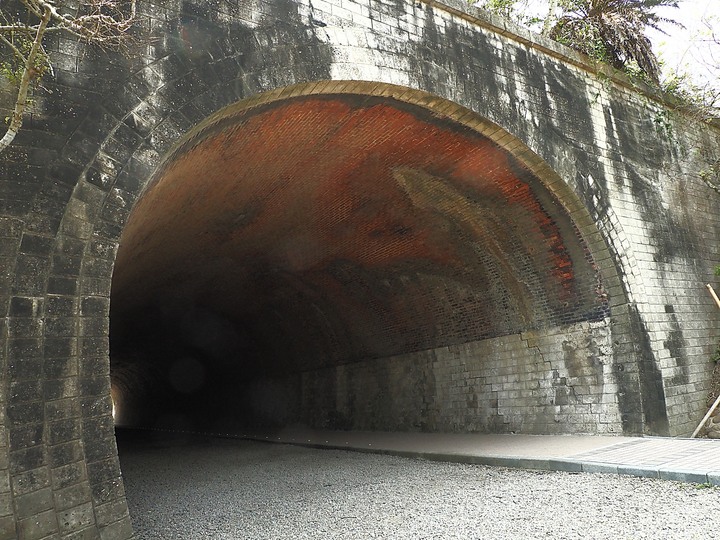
666,458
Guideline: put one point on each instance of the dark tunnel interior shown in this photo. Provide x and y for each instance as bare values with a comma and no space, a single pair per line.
319,231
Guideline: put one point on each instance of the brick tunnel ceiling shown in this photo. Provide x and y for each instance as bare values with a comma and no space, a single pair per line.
321,230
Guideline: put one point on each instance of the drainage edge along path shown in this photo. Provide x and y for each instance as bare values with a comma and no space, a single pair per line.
683,460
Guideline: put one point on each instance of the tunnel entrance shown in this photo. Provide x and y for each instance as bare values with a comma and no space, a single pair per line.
352,262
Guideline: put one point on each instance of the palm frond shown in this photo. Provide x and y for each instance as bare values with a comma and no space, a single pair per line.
613,30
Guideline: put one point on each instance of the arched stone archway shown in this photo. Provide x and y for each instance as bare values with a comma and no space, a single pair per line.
585,151
331,257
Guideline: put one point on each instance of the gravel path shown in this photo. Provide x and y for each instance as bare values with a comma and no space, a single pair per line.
231,489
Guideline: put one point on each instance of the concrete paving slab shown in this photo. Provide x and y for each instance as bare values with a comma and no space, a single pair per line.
685,460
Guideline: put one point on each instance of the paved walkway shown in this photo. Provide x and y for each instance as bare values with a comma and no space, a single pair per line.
685,460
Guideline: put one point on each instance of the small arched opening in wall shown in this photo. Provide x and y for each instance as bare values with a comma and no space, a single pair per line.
359,256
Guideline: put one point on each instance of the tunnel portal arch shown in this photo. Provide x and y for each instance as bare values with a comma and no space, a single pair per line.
580,136
360,256
587,157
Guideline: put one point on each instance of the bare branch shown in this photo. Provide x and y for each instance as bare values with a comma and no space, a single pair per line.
711,176
33,8
17,51
97,26
29,73
105,23
708,182
9,28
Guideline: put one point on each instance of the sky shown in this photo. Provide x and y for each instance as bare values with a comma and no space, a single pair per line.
687,49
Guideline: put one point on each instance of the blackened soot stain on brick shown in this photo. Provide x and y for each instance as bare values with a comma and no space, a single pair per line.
651,386
671,239
640,135
676,345
614,144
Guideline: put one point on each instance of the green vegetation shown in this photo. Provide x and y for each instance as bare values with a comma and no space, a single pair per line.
716,355
24,26
13,67
611,31
711,177
614,32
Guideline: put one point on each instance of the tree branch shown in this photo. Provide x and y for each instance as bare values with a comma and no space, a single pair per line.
34,8
9,28
96,27
29,73
17,51
711,176
103,22
710,184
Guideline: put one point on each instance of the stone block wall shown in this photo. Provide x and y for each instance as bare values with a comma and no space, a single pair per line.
557,380
624,166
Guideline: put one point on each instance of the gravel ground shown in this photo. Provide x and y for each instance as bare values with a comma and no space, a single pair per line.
232,489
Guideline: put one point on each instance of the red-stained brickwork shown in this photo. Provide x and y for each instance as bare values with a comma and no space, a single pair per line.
297,240
340,228
350,213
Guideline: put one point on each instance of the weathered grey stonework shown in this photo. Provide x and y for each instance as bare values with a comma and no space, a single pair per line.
619,166
538,382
